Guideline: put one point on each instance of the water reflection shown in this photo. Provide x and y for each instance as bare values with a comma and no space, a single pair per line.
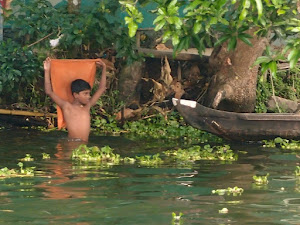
62,173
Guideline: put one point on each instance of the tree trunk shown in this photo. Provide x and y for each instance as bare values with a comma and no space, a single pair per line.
233,85
74,6
129,78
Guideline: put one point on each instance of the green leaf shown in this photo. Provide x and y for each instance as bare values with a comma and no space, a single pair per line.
273,68
259,7
280,12
232,43
222,40
160,25
245,40
264,68
243,14
166,36
197,27
159,18
262,59
294,57
132,28
175,39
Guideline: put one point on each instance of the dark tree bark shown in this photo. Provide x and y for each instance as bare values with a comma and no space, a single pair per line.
233,85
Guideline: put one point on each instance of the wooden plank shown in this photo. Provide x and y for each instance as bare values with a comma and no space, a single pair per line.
25,113
183,55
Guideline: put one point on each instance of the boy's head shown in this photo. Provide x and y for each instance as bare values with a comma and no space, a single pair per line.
79,85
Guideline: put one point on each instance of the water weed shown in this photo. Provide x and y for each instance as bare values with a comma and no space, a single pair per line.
149,160
207,152
282,143
45,155
22,172
27,158
261,180
103,155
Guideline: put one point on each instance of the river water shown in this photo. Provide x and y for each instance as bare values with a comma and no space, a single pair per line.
65,192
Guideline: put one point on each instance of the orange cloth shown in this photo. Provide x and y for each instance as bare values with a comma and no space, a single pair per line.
63,72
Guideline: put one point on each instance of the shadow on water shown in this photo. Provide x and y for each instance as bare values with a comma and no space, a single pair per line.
68,192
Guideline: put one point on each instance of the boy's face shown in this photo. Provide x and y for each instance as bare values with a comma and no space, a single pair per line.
83,97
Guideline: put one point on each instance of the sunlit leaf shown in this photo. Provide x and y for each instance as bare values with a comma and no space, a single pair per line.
259,7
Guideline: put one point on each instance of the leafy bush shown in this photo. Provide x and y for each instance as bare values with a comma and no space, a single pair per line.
19,72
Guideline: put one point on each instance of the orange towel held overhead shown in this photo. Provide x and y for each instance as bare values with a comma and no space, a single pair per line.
63,72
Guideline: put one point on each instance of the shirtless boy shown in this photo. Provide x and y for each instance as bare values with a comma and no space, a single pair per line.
77,113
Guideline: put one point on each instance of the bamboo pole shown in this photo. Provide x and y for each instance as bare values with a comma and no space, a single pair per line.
25,113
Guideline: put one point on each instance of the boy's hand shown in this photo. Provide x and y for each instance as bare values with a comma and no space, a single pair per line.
100,63
47,64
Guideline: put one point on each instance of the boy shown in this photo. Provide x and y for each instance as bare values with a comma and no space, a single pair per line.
77,113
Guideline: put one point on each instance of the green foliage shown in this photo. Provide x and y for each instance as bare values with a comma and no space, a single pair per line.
171,128
286,85
45,155
149,160
282,143
223,153
226,21
261,180
27,158
133,19
104,155
23,172
19,73
176,219
94,28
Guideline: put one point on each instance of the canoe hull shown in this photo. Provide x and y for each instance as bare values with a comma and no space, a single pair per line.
239,126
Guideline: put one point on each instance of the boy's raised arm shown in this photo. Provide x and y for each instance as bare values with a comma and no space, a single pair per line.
48,88
102,85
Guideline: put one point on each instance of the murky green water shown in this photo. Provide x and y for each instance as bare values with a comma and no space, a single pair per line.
64,192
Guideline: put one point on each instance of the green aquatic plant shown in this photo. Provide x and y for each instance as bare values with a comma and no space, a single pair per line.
27,158
129,160
169,127
207,152
235,191
177,219
103,155
45,155
297,171
149,160
282,143
261,180
28,171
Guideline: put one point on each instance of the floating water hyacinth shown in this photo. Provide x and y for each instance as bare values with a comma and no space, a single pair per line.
45,155
176,219
23,172
261,180
104,155
27,158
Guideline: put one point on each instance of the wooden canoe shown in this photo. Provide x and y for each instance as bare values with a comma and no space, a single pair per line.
239,126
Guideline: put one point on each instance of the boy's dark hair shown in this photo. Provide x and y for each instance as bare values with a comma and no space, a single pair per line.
79,85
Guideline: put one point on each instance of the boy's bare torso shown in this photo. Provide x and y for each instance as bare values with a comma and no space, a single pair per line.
77,119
